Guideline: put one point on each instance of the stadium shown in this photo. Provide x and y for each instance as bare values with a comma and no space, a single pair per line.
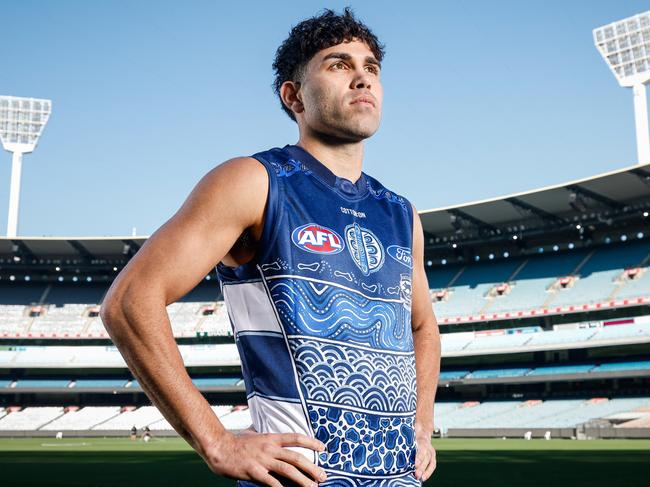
542,298
543,301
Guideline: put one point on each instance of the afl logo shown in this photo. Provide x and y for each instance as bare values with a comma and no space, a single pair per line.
316,239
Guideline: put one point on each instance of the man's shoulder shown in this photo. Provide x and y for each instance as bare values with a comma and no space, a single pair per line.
273,156
379,191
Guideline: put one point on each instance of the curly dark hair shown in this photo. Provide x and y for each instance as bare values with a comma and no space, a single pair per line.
315,34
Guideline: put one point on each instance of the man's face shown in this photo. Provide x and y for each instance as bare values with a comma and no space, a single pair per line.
341,92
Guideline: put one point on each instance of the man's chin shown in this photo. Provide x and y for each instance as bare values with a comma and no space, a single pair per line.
358,132
348,132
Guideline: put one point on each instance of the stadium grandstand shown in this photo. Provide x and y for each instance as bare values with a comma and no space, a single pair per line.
542,297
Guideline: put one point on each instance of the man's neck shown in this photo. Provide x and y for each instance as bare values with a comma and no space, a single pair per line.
344,160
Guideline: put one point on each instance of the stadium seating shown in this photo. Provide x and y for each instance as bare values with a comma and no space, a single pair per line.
215,381
141,417
531,286
95,327
470,415
455,342
492,373
63,311
45,356
42,383
30,418
468,294
637,423
106,418
440,277
598,275
465,343
616,332
99,383
218,323
85,293
497,342
184,317
238,419
83,419
562,369
533,282
557,337
21,292
634,288
446,375
556,413
163,424
7,357
67,319
523,414
110,384
13,319
617,366
544,370
589,410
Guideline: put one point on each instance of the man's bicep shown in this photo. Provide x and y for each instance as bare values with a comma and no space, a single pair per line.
226,201
421,307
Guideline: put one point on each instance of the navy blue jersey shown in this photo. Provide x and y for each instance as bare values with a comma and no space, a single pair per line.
322,320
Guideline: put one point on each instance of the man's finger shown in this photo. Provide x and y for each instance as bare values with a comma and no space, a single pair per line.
269,480
431,467
288,471
421,462
303,464
297,439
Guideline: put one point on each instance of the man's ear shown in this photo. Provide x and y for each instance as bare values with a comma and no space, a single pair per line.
291,96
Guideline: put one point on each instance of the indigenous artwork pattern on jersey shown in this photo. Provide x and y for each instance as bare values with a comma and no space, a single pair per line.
322,320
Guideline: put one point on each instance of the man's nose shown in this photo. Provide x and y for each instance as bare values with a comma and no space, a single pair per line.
361,80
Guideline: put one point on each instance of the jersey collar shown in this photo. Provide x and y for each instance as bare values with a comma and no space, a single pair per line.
343,186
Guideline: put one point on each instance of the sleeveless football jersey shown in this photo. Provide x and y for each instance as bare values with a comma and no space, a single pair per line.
322,320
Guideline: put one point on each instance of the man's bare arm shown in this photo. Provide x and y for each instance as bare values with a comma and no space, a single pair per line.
426,338
228,200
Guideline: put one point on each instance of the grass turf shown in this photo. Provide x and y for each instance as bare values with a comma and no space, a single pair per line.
102,462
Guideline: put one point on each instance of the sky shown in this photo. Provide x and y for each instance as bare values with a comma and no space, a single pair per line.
481,99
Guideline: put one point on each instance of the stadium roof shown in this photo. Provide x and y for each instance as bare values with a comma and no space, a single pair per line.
72,248
610,193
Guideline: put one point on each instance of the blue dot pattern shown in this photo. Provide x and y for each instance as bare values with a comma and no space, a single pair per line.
362,443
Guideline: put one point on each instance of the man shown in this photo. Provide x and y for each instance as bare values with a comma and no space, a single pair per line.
322,273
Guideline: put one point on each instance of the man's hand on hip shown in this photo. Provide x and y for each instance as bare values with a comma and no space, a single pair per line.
425,460
255,456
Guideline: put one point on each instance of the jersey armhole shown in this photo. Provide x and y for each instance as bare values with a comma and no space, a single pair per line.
270,225
412,214
272,215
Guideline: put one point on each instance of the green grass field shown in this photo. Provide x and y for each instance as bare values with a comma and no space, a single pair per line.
96,462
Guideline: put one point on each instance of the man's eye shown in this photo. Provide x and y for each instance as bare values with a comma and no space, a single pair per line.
339,65
373,69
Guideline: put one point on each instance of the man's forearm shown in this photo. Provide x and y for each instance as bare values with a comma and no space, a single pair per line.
142,332
426,340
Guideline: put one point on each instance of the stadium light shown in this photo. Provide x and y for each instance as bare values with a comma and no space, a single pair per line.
21,124
625,47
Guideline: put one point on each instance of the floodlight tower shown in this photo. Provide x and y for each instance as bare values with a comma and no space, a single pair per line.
625,47
21,123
